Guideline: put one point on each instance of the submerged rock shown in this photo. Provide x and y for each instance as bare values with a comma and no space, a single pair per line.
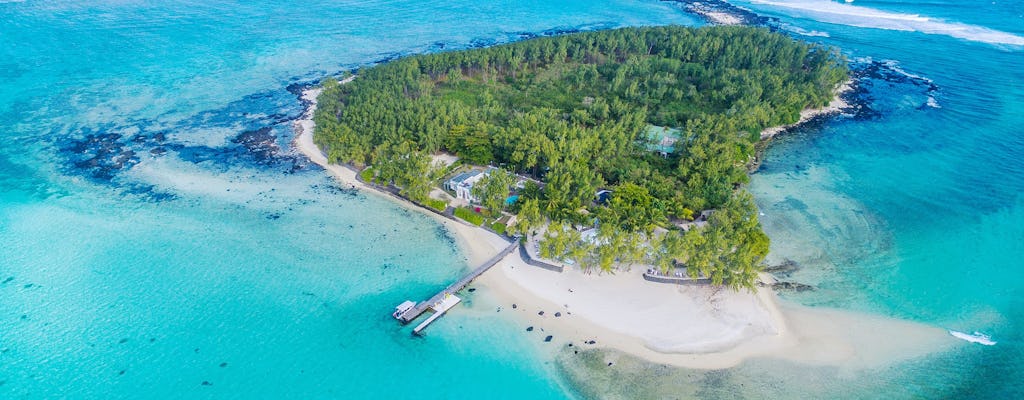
787,267
261,143
799,287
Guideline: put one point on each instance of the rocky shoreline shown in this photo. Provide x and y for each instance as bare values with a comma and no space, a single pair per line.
720,12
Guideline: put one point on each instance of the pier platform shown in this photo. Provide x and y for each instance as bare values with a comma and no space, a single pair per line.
439,309
445,299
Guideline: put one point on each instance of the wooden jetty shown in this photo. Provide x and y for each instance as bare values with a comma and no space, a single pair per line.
445,299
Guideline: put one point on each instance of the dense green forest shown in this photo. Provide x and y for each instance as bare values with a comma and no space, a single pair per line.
572,112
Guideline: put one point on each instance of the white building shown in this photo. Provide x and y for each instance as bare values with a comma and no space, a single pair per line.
462,184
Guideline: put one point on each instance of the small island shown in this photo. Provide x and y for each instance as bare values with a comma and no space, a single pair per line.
604,149
621,152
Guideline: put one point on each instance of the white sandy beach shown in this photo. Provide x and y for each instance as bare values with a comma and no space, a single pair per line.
700,327
694,327
304,141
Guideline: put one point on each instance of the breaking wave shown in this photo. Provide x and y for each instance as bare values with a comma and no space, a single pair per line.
803,32
866,17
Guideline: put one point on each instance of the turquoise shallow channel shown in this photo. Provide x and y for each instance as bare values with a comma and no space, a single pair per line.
159,239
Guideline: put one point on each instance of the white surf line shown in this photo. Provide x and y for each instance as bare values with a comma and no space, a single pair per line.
803,32
866,17
977,337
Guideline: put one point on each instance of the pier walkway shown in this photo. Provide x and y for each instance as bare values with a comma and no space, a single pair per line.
446,299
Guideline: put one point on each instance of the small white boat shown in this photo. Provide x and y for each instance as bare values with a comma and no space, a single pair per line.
402,308
977,337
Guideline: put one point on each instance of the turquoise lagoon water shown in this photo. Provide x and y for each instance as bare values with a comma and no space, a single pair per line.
151,249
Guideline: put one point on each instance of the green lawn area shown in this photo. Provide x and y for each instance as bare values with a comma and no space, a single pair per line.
499,227
439,205
469,215
366,175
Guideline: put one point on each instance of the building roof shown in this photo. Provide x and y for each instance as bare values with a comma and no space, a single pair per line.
457,179
661,139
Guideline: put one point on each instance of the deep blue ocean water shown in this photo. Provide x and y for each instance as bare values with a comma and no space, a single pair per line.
159,240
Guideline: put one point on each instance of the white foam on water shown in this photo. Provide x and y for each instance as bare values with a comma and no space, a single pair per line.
977,337
895,66
933,103
804,32
866,17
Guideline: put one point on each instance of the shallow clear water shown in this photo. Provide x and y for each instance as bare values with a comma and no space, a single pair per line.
139,274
